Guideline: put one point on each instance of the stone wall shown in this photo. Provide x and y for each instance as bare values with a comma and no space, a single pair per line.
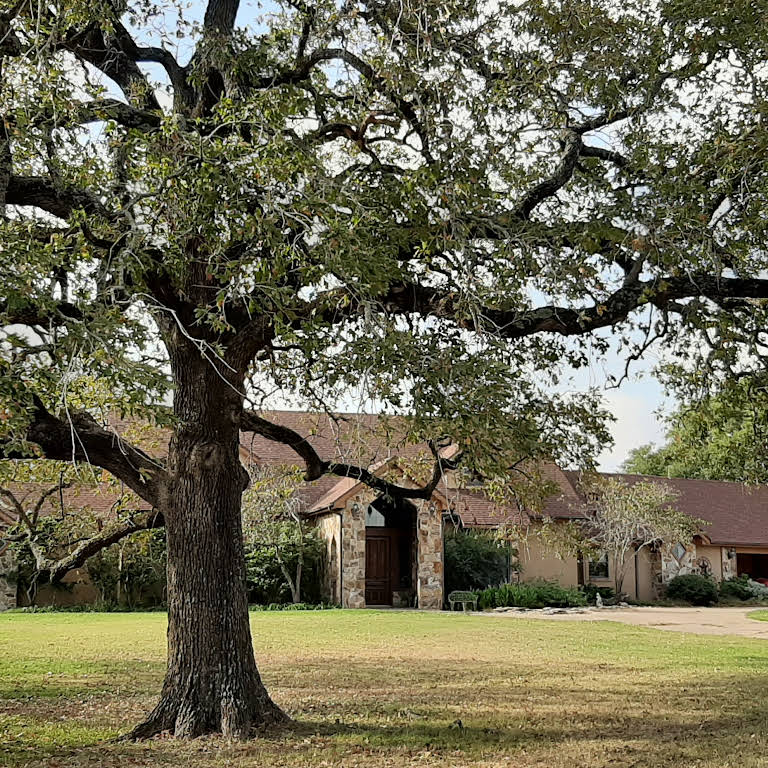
429,570
728,564
674,563
353,555
7,589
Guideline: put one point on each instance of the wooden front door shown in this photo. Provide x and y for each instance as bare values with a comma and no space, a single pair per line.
378,568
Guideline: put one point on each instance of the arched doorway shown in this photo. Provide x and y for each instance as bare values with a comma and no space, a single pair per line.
390,556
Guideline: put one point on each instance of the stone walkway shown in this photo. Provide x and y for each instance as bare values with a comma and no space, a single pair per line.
700,621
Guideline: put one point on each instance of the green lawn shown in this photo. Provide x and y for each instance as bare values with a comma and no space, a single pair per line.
758,615
371,688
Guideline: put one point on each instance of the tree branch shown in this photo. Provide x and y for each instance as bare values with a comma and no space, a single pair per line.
55,570
42,193
82,440
316,467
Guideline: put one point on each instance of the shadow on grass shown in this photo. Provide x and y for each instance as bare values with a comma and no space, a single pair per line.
445,710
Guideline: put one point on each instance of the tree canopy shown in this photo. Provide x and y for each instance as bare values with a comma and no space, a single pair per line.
721,436
430,188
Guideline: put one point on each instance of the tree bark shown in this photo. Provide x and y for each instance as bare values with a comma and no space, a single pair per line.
212,684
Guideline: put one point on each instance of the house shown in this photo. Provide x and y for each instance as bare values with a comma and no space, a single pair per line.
383,552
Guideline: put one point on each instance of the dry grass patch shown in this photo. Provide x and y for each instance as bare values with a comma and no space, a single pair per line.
396,688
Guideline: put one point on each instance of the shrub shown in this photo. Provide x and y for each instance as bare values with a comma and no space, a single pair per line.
533,594
759,591
693,588
736,589
474,560
591,591
294,607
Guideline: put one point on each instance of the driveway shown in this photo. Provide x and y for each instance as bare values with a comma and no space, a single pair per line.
699,621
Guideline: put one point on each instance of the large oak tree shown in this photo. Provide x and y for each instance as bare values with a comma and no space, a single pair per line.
429,203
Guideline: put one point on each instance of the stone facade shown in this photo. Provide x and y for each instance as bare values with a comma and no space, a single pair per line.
7,589
429,557
728,564
677,560
344,534
353,555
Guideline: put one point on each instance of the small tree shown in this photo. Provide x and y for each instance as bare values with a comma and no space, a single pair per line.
621,518
475,559
272,519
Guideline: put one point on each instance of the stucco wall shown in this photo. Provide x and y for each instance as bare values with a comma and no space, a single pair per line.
714,555
537,562
329,529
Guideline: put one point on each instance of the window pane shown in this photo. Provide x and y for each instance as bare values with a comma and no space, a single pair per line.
598,568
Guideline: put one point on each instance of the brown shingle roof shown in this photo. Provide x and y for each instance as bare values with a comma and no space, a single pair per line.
737,514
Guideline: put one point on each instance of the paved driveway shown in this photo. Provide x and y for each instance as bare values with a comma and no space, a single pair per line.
700,621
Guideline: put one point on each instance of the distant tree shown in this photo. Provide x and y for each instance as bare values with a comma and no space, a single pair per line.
721,436
648,459
426,202
273,523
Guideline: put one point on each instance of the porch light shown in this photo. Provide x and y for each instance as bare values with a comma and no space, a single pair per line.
731,553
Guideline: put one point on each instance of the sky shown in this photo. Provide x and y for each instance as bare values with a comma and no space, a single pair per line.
634,406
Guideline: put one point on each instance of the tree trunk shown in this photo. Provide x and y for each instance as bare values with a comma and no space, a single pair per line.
212,684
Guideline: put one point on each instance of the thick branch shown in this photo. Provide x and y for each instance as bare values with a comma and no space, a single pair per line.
662,292
44,194
115,54
28,314
251,422
111,534
316,467
81,439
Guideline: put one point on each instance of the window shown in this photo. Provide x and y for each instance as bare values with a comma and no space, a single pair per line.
374,518
598,568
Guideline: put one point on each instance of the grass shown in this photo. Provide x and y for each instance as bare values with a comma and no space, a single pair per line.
758,615
372,689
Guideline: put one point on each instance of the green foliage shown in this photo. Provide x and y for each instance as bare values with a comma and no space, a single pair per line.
591,591
474,560
132,573
717,436
692,588
283,555
742,588
294,607
533,594
266,579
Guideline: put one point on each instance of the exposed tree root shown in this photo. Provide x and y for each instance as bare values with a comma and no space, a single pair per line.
185,721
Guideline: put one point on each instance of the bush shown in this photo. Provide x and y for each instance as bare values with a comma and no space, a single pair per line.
693,588
294,607
533,594
591,591
736,589
474,560
743,588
